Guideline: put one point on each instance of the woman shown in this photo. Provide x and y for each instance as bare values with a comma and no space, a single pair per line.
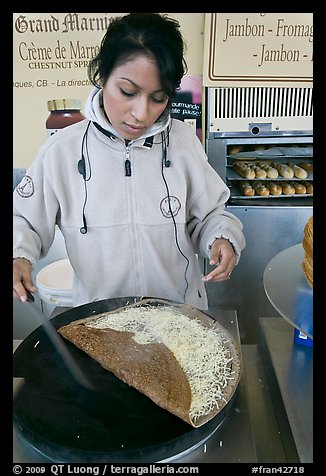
130,188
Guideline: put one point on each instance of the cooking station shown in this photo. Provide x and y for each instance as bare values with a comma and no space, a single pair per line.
259,424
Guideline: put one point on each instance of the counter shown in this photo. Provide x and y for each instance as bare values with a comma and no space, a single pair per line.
289,369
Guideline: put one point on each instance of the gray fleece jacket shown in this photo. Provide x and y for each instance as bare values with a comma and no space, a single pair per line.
146,222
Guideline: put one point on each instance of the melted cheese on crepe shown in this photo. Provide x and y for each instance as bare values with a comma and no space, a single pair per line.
200,351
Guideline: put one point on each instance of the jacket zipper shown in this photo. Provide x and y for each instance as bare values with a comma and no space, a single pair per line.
133,227
127,162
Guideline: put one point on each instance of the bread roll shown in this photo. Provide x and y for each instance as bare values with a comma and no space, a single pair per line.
259,172
283,169
308,167
243,170
298,187
260,188
271,172
287,189
298,171
246,189
309,187
235,149
274,188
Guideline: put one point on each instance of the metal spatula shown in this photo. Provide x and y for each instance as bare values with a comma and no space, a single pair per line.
89,397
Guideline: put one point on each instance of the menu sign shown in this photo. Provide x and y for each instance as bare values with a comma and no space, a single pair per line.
51,53
54,49
258,49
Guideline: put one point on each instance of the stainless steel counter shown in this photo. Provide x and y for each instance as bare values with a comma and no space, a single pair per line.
289,370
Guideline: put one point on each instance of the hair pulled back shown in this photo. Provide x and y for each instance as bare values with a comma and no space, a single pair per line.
152,34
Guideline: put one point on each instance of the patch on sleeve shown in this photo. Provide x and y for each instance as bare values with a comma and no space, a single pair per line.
26,187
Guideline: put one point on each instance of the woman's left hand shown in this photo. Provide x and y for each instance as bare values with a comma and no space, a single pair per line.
224,257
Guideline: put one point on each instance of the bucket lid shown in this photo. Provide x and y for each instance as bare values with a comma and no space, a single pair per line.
57,276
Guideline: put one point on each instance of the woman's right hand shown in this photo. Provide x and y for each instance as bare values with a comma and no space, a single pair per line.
22,279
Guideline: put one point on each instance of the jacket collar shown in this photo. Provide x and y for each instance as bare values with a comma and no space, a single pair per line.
148,142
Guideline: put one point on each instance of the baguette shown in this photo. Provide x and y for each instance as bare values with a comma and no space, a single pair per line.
246,189
299,172
287,188
307,166
243,170
283,169
299,187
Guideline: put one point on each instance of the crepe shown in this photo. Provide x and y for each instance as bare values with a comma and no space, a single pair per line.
177,356
307,244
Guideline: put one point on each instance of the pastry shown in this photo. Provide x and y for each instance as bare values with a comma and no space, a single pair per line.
299,172
271,172
309,187
260,173
243,170
274,188
298,187
307,244
260,188
307,166
287,188
246,189
283,169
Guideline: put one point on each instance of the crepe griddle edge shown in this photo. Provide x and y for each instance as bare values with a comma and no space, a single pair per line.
133,427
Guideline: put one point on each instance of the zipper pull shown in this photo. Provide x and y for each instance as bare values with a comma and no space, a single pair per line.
127,164
128,168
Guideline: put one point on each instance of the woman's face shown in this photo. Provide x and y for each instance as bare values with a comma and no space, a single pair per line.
133,98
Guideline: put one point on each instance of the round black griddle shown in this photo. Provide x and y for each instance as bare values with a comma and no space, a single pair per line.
131,429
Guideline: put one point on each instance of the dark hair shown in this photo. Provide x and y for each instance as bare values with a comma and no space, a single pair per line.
153,34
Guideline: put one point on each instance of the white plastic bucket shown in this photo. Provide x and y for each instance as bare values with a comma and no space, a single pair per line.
54,283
